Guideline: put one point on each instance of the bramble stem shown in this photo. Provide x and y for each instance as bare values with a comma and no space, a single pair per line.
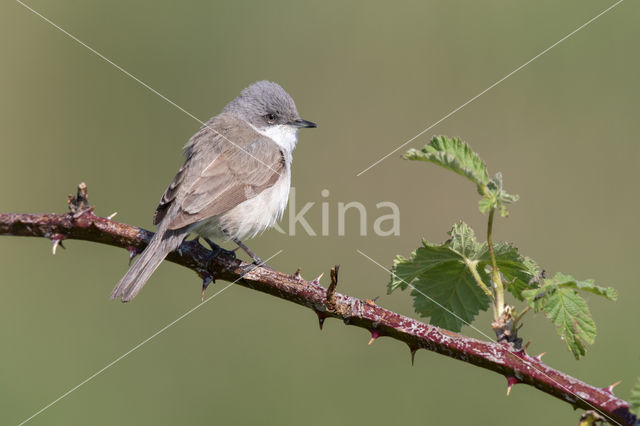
473,267
518,317
495,273
517,366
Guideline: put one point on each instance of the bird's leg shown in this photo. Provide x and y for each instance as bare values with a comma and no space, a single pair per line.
216,250
256,260
208,277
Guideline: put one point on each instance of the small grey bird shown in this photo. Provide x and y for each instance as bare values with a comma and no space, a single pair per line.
233,184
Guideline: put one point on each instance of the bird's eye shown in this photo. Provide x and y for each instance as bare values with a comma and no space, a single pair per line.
271,117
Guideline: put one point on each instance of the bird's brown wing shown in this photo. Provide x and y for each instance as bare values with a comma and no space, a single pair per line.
169,195
234,176
219,175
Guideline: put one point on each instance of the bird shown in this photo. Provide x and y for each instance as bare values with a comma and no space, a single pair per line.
234,182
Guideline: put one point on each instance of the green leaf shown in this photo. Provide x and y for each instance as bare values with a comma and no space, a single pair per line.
455,155
517,270
486,203
444,272
635,398
587,285
421,260
567,310
443,286
463,241
570,313
495,196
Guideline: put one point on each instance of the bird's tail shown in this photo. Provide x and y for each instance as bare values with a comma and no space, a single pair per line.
136,277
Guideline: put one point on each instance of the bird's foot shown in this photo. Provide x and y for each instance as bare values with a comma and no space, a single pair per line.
216,251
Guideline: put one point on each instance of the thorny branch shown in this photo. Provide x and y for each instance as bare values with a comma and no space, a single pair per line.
516,365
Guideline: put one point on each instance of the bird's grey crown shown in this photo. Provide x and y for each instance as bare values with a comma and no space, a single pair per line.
258,101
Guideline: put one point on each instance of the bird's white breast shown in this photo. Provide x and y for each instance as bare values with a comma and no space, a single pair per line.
256,214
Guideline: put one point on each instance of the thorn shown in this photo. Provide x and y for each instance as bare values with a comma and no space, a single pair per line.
374,335
317,280
133,252
56,240
297,275
526,346
321,317
206,280
413,350
112,215
610,387
539,357
510,382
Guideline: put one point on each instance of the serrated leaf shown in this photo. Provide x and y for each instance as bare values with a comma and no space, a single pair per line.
406,270
635,398
569,313
454,299
463,241
443,286
444,270
455,155
568,281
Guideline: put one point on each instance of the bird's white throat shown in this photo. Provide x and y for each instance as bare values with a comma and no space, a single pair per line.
284,135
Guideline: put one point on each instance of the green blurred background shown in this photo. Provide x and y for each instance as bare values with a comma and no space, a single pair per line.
371,74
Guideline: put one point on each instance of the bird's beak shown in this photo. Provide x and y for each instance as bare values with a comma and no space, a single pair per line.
303,123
